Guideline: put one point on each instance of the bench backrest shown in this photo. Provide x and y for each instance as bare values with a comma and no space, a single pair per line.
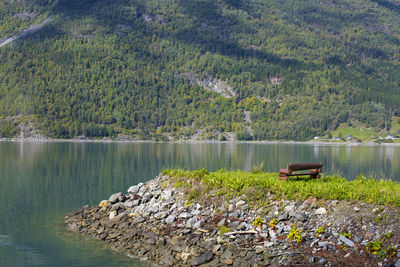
304,166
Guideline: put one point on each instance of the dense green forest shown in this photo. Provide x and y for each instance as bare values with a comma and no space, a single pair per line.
106,68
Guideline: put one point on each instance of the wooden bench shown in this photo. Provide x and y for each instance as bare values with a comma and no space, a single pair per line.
314,170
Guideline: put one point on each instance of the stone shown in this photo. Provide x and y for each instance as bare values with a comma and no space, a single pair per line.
221,222
322,243
191,222
134,189
115,197
311,201
356,209
203,258
272,234
283,217
321,260
131,203
240,203
311,259
397,264
289,208
185,256
220,240
334,203
112,214
198,224
321,211
104,203
170,219
346,241
185,215
268,244
228,262
231,208
160,215
301,216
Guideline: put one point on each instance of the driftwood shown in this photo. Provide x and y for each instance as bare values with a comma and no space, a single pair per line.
241,232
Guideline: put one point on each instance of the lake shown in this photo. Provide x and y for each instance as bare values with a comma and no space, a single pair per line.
41,182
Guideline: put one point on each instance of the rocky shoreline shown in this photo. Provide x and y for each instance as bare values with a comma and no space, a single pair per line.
155,221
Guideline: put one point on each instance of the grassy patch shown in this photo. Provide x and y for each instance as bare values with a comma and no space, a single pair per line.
357,132
235,183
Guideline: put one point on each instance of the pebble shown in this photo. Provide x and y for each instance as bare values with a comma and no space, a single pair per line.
321,211
356,209
240,203
346,241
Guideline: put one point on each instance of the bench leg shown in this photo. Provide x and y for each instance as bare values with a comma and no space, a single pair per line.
283,177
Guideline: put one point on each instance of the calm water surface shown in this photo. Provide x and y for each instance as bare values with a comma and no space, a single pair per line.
40,183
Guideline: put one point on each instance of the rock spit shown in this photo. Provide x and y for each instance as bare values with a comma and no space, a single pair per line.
156,221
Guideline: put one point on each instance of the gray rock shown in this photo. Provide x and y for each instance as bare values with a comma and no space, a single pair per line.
321,260
272,235
346,241
283,217
234,224
198,224
117,206
156,193
221,222
138,220
146,197
160,215
240,203
203,258
186,215
231,208
167,196
134,189
358,239
191,222
322,243
301,216
131,203
312,259
114,197
397,264
170,219
321,211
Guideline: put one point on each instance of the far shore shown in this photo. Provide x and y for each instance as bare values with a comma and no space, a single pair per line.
189,141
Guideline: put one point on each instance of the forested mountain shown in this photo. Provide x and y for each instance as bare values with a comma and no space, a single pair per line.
176,68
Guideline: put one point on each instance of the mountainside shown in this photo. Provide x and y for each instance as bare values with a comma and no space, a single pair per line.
205,68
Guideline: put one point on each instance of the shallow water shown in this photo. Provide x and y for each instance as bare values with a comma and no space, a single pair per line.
41,182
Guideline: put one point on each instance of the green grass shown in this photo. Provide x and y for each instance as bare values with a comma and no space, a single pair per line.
357,132
256,185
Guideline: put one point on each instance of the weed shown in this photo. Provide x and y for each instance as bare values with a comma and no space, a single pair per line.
320,231
295,233
388,235
380,217
257,168
347,235
374,247
391,252
178,184
258,222
273,223
223,230
188,203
